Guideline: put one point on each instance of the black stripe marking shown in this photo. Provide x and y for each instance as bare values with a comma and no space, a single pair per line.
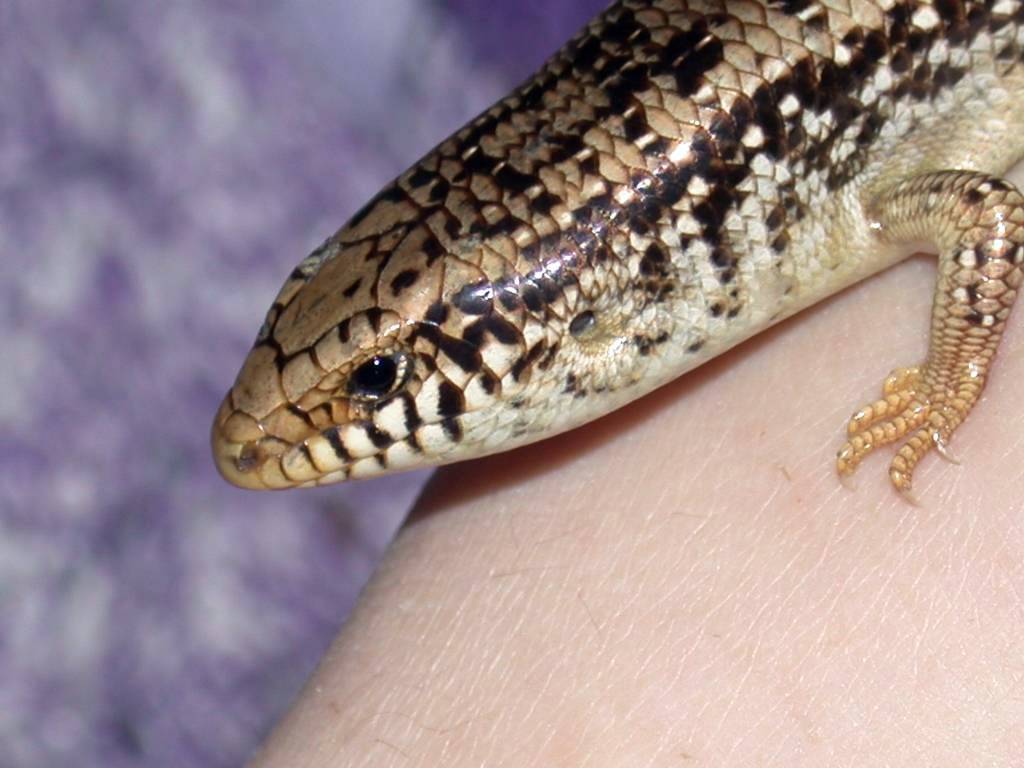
463,354
450,400
334,439
452,428
378,437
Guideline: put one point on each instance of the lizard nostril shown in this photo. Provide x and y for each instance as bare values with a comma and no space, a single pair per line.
249,458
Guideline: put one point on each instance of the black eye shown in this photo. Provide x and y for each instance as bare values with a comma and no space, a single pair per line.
375,378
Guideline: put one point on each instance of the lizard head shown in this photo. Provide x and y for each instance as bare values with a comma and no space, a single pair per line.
395,346
352,374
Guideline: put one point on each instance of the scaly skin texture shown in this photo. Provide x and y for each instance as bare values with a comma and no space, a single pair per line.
679,177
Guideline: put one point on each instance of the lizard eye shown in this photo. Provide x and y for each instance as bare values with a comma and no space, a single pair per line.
378,377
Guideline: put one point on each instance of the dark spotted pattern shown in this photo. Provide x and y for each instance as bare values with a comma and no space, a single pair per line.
655,190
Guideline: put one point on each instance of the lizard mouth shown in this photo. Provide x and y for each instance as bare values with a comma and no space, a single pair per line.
260,454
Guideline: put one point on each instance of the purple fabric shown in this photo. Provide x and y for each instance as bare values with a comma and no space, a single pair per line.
162,168
520,35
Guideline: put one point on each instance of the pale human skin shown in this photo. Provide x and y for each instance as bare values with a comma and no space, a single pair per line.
687,582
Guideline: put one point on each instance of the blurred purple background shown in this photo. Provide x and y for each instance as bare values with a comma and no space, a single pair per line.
162,168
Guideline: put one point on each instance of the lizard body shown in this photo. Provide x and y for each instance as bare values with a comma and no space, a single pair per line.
682,175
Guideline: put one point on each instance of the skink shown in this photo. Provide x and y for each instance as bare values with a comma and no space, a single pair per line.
682,175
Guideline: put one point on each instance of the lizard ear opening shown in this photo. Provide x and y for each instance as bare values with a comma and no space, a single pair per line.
582,324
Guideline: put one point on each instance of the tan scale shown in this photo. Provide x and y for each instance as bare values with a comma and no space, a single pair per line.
683,174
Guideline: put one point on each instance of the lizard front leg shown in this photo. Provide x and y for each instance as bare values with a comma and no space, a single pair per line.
977,223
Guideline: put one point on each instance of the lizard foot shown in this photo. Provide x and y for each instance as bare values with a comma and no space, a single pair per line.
914,404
